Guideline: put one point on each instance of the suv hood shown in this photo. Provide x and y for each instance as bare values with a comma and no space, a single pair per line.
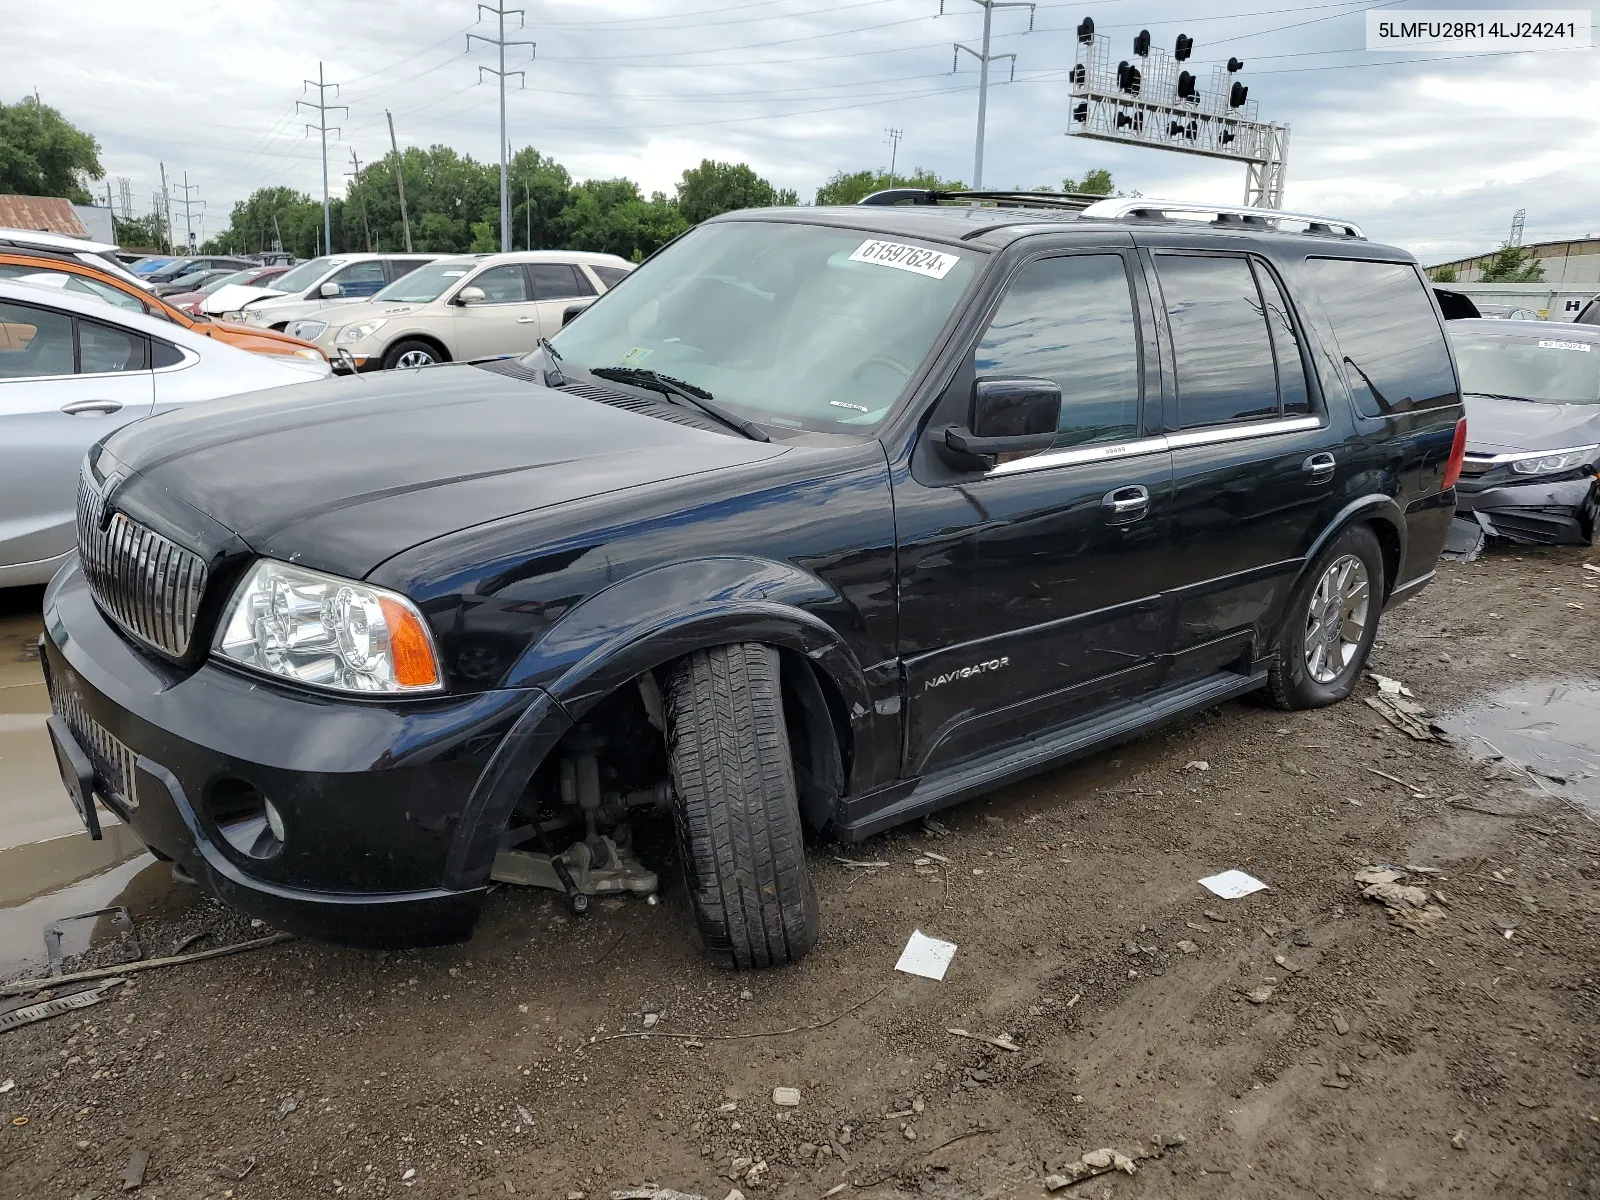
234,296
341,475
1505,426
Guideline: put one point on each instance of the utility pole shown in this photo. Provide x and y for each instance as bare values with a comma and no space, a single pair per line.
399,179
166,206
527,207
500,13
188,207
322,108
984,60
894,150
356,175
38,107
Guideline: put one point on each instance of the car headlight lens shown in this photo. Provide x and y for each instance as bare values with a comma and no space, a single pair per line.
354,333
1554,462
307,331
327,632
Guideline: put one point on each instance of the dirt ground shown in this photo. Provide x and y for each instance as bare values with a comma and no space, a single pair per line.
1455,1059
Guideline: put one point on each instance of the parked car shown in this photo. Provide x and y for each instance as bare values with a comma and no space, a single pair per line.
66,270
180,267
194,281
314,285
1507,312
471,306
828,518
190,302
73,369
153,262
1533,420
99,255
1589,314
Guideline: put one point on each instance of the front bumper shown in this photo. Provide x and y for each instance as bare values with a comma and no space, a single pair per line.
1536,512
372,794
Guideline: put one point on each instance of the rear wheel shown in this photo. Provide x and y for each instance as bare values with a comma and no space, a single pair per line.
737,811
411,353
1331,624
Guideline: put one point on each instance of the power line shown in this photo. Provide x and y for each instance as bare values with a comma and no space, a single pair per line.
499,41
984,59
322,108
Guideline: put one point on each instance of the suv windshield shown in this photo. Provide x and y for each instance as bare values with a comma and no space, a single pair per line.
794,325
427,282
1551,369
304,275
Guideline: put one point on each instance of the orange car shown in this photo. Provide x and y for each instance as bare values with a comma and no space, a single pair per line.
58,269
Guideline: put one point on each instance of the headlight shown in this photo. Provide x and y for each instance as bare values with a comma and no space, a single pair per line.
307,331
354,333
327,632
1554,462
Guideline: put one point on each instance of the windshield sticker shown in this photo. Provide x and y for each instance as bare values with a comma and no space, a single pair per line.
1583,347
635,356
902,257
847,404
455,274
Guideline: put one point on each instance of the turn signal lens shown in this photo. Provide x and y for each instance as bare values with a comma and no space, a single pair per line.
410,649
1458,455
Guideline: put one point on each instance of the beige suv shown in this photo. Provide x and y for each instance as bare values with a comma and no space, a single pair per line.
470,306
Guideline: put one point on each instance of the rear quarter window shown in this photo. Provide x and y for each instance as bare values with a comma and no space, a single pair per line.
1391,345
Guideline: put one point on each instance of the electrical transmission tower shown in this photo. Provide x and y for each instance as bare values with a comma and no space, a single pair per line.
984,59
189,205
322,108
1517,220
894,136
125,196
500,12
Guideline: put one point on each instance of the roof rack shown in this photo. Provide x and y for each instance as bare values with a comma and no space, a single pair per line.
1222,214
1070,201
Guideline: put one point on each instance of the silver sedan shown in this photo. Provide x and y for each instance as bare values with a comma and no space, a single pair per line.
72,369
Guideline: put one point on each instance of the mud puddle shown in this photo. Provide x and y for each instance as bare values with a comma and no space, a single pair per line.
1549,726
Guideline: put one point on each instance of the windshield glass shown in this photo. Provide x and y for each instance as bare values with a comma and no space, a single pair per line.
793,325
1552,369
427,282
237,277
303,276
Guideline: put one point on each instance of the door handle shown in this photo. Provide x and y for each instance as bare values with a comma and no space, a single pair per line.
79,407
1319,468
527,320
1126,504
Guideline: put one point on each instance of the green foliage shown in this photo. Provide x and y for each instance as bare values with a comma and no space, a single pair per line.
1443,274
44,154
139,233
716,187
258,222
851,187
1512,264
610,215
1095,183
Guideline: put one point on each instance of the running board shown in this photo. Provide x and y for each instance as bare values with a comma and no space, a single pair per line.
955,784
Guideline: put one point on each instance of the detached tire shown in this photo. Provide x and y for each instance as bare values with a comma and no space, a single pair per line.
737,811
1331,623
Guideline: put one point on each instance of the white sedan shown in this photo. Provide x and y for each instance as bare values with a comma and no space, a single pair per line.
72,369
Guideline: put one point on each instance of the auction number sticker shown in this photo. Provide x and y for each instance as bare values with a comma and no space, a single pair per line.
1478,29
932,263
1582,347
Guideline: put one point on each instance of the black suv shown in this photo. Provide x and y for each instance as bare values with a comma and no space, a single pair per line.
822,520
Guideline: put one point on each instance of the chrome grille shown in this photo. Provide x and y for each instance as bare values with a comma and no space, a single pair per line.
113,762
149,585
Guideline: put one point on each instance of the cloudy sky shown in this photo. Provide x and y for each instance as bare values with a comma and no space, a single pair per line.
1433,152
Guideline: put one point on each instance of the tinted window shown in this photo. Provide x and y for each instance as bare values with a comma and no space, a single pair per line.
1589,316
610,276
361,279
399,267
34,341
558,281
1285,346
163,354
502,285
1071,320
102,348
1219,337
1394,352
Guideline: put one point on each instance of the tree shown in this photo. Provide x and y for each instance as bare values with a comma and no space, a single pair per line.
852,187
610,216
1095,183
1444,274
541,189
716,187
1512,264
270,214
136,232
44,154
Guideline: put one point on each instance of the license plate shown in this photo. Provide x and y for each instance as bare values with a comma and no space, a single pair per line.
77,773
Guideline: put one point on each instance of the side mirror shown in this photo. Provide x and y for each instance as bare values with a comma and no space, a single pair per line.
1008,416
329,290
569,312
470,295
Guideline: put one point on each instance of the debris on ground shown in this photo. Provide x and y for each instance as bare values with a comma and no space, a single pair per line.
1231,885
649,1192
786,1097
7,1086
1396,704
133,1173
1187,947
1458,1140
1107,1159
926,956
1197,765
43,1011
1003,1041
26,986
1340,1025
1407,904
1260,995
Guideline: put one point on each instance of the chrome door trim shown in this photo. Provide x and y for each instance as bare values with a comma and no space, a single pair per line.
1155,445
1242,432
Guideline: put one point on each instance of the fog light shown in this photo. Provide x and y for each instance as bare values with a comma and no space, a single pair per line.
274,820
246,819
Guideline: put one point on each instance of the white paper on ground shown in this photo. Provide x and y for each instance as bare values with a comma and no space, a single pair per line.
1231,885
926,956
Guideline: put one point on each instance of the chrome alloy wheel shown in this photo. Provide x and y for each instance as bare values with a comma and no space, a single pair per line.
1337,620
415,358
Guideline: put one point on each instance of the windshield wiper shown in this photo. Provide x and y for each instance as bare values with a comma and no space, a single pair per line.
698,397
554,356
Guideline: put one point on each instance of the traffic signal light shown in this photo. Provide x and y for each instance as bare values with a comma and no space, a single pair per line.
1128,78
1237,95
1077,75
1235,66
1226,136
1141,43
1186,87
1178,128
1136,120
1080,112
1086,30
1184,49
